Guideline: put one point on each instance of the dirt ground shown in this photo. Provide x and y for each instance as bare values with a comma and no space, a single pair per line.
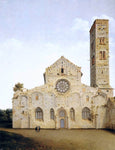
70,139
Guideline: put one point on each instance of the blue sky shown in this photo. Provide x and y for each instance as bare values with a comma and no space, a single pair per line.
35,33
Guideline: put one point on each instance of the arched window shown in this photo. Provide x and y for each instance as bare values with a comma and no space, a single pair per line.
62,70
102,41
102,55
24,101
39,113
72,114
52,114
85,113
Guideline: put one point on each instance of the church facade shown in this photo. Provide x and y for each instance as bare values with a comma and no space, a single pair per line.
64,101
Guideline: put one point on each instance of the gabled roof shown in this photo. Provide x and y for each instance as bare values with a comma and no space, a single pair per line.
62,58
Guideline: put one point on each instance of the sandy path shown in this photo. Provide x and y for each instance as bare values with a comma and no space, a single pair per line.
71,139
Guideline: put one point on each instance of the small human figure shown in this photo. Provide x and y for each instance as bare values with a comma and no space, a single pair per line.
35,128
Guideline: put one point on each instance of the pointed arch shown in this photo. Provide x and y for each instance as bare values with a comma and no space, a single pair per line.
72,114
62,113
52,113
39,113
86,113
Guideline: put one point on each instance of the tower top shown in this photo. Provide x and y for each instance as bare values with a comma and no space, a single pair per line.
99,21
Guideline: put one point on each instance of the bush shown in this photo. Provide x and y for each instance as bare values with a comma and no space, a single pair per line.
6,118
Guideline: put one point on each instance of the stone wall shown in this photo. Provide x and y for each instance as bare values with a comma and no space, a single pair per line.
25,105
64,93
111,113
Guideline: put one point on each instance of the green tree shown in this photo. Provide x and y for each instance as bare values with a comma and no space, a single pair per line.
17,87
3,116
9,115
6,118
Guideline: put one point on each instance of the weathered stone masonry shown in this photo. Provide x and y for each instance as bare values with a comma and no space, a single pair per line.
63,101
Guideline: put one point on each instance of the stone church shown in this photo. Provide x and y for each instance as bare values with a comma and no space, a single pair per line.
63,101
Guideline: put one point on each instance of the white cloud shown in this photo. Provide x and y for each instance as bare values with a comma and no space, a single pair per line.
11,44
80,25
51,47
101,17
9,48
112,47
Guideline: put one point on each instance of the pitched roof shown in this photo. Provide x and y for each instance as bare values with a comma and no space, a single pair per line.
63,58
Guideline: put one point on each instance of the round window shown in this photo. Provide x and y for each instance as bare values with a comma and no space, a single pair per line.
62,85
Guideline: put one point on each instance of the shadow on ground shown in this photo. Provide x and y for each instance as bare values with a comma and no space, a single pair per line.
5,124
111,131
12,141
24,139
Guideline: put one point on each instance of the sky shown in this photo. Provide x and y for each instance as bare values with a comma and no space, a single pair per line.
35,33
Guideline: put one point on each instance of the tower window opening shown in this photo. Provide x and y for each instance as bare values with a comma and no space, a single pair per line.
102,41
62,70
93,60
102,55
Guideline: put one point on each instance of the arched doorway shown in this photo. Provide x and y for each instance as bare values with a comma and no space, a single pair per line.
62,118
62,123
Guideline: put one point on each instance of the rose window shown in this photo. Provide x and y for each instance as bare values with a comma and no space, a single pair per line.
62,85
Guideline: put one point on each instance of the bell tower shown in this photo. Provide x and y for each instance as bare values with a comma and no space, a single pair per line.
99,55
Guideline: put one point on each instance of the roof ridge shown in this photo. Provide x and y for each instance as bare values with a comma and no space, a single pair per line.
62,57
